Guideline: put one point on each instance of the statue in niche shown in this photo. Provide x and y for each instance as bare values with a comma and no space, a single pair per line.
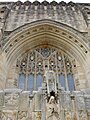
52,110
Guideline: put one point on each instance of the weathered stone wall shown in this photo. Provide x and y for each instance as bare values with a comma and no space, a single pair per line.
74,39
74,15
21,105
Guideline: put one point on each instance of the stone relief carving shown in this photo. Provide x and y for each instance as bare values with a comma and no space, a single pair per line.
52,110
22,115
38,116
11,99
49,108
3,116
68,115
82,115
8,115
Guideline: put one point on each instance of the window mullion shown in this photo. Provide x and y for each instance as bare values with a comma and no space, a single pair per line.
66,80
35,70
56,67
26,81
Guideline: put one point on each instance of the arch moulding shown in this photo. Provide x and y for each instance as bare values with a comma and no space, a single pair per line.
46,33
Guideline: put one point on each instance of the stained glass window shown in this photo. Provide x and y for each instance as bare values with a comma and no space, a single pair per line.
39,81
31,82
34,63
62,81
70,82
21,81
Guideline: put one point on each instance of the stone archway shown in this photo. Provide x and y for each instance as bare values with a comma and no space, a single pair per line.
46,33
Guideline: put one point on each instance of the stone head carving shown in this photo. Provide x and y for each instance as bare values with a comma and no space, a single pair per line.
52,100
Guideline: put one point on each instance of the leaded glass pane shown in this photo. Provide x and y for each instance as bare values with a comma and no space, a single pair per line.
70,82
31,82
21,81
39,81
62,81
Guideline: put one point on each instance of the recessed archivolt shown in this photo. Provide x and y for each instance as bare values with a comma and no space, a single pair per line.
42,39
45,33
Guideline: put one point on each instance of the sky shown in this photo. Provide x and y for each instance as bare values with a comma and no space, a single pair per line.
76,1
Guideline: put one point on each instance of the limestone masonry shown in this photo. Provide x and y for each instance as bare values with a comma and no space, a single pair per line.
44,60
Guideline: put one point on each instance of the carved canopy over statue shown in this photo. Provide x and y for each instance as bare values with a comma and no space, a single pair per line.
51,81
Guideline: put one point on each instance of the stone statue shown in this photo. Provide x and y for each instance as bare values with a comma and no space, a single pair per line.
52,110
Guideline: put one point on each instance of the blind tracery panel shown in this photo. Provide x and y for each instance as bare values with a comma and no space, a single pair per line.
34,63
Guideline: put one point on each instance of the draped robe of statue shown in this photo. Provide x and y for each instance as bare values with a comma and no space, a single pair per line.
52,110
